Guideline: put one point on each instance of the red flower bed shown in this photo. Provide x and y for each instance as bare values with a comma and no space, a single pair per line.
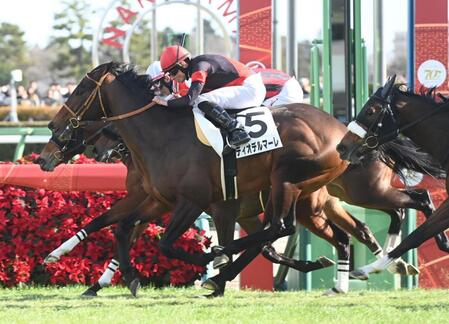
33,222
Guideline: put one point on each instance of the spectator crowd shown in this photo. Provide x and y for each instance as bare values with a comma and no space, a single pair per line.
55,94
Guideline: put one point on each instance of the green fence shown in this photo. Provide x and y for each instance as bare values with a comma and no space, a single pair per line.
23,135
378,222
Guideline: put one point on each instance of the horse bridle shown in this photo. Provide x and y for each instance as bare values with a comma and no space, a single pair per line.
372,138
76,123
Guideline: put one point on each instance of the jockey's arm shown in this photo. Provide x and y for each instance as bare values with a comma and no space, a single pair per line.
199,76
189,98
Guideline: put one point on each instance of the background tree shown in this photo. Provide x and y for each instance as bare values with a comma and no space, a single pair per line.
73,40
13,51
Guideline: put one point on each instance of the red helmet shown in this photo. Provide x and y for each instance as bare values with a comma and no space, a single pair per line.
172,55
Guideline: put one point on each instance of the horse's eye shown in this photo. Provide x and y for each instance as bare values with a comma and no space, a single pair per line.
370,112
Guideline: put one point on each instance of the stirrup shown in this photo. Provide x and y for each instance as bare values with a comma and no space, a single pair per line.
239,143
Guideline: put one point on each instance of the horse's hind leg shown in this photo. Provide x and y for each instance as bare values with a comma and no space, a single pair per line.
224,215
250,207
254,248
280,210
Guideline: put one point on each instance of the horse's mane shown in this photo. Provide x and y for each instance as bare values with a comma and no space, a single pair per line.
139,84
402,154
428,95
129,76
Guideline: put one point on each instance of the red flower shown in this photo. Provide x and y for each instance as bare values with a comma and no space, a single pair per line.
33,222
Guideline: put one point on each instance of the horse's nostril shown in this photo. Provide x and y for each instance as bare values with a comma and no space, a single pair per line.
341,149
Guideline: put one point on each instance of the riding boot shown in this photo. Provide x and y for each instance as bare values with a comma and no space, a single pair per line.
236,133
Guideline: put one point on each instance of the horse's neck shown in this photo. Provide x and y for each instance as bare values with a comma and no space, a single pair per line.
430,134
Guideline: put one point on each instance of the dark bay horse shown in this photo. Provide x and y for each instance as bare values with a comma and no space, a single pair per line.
182,173
223,218
392,110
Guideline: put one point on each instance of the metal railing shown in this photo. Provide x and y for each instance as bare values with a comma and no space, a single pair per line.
23,135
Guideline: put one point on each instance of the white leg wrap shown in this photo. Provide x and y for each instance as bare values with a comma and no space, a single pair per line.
392,241
69,245
378,265
108,274
379,253
343,276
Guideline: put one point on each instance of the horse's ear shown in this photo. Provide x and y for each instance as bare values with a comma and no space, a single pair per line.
388,87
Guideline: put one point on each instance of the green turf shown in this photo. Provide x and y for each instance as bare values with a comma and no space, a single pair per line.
63,305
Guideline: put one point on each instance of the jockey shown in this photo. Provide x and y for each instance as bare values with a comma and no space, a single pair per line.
230,85
282,89
163,85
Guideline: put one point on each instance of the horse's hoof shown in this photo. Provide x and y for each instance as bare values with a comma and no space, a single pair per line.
89,293
209,284
412,270
220,261
325,261
215,294
51,258
403,268
334,292
134,286
359,274
217,249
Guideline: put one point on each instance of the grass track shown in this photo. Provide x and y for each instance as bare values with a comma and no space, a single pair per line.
63,305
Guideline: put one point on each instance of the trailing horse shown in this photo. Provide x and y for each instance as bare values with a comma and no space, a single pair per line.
395,110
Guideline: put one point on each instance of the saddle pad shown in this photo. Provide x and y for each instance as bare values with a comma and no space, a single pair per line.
259,124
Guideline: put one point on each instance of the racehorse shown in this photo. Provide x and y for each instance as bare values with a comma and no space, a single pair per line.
391,111
184,172
67,130
119,211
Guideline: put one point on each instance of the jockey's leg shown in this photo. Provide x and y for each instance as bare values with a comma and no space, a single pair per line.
237,134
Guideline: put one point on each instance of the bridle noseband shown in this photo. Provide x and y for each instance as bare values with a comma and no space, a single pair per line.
373,139
76,122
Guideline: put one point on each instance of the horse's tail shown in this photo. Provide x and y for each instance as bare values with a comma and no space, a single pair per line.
402,154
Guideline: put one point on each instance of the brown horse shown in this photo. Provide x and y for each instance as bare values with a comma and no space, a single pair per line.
179,171
108,147
176,171
392,110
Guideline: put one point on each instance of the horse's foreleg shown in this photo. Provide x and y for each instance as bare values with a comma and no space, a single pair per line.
224,214
343,219
148,210
432,226
106,278
310,213
184,215
104,281
394,230
423,202
118,211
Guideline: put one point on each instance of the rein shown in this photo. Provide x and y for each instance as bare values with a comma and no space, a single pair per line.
76,121
382,139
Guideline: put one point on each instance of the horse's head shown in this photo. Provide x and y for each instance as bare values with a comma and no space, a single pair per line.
109,147
74,121
374,125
